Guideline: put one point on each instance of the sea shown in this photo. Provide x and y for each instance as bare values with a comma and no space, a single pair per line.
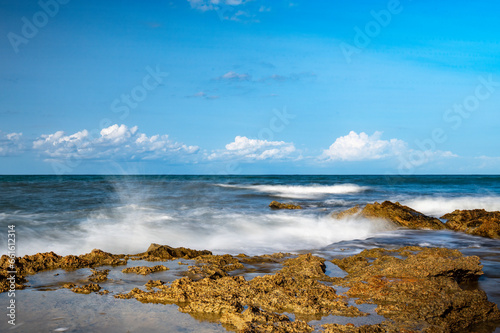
226,214
231,214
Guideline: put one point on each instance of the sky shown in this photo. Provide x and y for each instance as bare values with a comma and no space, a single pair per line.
249,87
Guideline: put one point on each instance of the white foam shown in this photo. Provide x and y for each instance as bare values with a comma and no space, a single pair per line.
302,191
438,206
205,228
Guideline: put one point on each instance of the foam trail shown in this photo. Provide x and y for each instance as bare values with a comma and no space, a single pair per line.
438,206
302,191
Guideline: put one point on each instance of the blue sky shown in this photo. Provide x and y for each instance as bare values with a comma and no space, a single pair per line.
234,86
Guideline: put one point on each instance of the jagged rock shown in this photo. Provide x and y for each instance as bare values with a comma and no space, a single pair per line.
86,289
32,264
215,266
279,205
99,275
293,289
153,284
157,252
421,291
145,270
254,319
477,222
396,213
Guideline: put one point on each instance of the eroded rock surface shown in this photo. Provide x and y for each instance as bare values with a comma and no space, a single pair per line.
99,275
31,264
396,213
86,289
145,270
421,291
279,205
295,289
157,252
478,222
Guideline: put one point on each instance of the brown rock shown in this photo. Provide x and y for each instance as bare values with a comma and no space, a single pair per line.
294,289
422,291
398,214
145,270
157,252
279,205
99,275
477,222
86,289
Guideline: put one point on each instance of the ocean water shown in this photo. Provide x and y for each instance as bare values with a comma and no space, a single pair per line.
224,214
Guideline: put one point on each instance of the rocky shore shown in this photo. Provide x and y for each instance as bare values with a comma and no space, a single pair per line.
411,289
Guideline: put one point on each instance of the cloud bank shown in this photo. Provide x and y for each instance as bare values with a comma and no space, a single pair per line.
115,142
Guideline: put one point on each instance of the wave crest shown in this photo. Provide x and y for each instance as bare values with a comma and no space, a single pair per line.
302,191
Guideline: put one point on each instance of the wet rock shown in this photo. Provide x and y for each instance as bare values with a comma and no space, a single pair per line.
422,291
396,213
254,319
32,264
347,213
100,258
294,289
478,222
279,205
69,285
157,252
86,289
145,270
153,284
99,275
351,328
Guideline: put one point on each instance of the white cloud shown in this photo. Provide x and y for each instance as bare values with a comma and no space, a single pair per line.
11,144
233,76
254,149
114,142
361,147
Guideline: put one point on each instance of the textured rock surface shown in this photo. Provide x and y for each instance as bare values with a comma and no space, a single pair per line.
398,214
422,291
293,289
145,270
31,264
477,222
86,289
157,252
99,275
279,205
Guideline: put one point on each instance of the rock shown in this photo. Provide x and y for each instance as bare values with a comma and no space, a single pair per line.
346,213
157,252
294,289
145,270
396,213
478,222
153,284
215,266
421,291
86,289
99,275
32,264
279,205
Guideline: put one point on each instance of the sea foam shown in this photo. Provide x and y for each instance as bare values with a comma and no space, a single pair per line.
302,191
438,206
